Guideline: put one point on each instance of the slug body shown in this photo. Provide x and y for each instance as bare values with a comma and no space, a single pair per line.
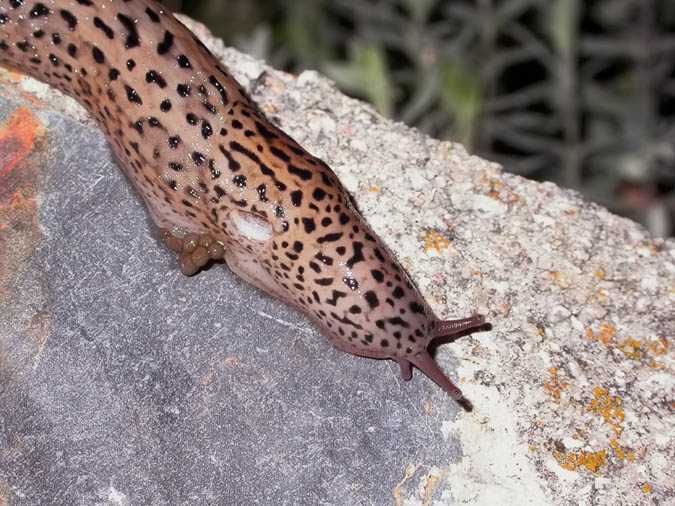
219,179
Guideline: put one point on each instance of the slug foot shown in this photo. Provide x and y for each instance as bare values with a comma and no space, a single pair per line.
194,251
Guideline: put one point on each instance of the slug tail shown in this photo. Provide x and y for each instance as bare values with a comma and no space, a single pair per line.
428,366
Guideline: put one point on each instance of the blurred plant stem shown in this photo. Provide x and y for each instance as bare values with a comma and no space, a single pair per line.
578,92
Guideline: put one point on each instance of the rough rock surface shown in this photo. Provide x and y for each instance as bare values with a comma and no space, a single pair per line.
123,382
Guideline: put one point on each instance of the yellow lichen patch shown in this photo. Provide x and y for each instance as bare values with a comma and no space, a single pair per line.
646,488
605,333
591,461
631,348
554,387
599,273
601,295
374,189
609,407
434,242
621,453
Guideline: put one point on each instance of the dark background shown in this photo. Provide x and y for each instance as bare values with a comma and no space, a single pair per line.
581,93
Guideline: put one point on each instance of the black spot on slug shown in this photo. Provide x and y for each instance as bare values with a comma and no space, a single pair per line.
70,20
371,299
164,46
309,225
39,10
296,198
100,24
97,54
153,77
183,62
239,181
198,158
332,237
152,15
303,174
133,40
133,95
174,141
216,84
207,131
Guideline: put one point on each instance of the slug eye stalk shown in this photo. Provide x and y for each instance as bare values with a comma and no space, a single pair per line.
425,363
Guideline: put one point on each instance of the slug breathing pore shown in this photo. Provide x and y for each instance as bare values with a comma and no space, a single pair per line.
219,179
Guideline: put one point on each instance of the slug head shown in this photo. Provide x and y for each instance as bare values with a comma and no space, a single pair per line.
345,279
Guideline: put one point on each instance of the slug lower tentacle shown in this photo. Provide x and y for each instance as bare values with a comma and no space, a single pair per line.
218,178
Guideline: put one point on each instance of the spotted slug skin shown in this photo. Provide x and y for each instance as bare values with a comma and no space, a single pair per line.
219,179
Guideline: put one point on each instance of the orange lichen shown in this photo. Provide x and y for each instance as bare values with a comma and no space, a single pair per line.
374,189
621,453
599,273
631,348
558,278
17,137
427,407
646,488
634,349
605,334
609,407
554,387
434,242
591,461
408,473
231,361
658,347
427,492
19,201
207,378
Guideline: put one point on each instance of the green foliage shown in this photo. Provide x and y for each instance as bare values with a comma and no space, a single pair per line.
578,92
365,72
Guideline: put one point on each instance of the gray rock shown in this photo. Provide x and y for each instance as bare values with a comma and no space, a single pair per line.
123,382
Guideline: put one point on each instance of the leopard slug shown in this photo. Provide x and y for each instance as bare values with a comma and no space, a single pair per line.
219,179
